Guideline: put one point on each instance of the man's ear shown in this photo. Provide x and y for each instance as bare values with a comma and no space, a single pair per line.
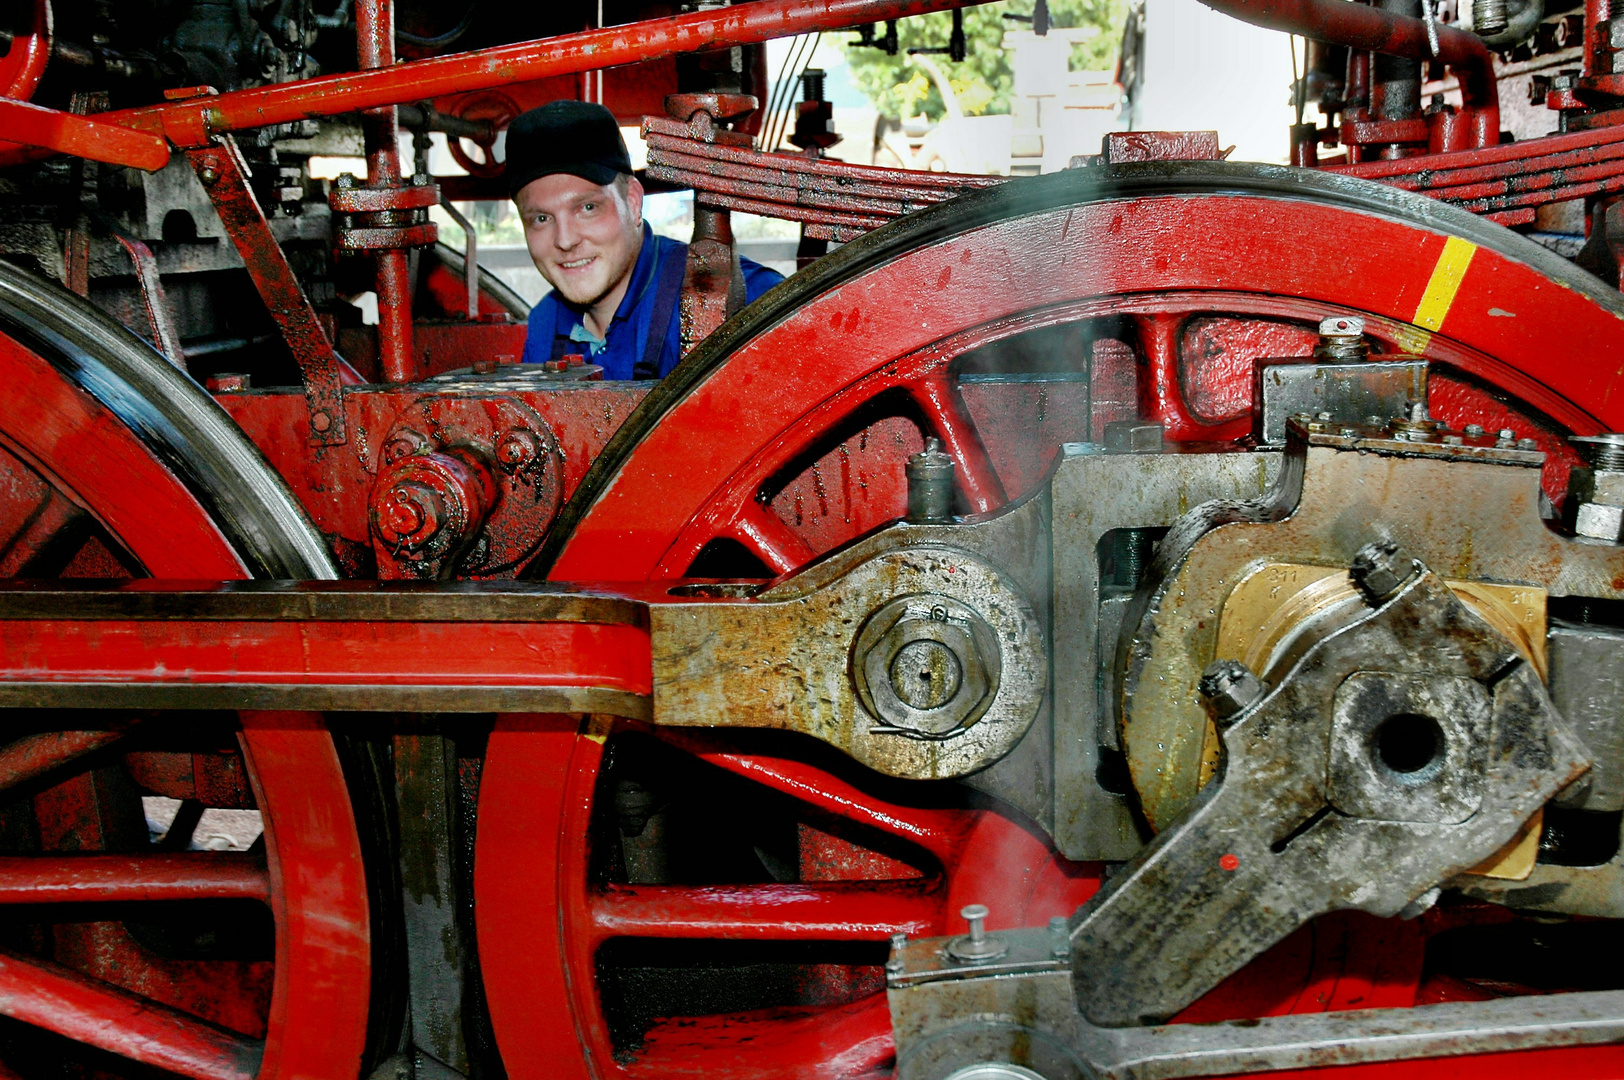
634,199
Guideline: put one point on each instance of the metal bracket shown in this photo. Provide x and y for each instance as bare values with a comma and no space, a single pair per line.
225,177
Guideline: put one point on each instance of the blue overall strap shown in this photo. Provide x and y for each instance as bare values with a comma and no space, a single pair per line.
561,338
667,292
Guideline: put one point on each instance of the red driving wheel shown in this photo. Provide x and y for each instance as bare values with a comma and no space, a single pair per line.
113,952
23,65
1005,323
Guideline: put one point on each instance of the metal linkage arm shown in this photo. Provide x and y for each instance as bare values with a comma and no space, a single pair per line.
396,646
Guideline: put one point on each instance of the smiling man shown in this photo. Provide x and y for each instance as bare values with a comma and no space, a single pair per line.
615,284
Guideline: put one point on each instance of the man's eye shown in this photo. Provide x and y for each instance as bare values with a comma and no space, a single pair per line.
589,207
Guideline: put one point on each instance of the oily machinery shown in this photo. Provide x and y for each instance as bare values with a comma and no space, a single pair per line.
1162,618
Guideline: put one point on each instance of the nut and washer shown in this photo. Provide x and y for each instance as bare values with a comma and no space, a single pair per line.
1380,570
1229,688
926,666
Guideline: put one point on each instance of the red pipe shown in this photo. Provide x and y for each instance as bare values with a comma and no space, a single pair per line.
375,42
191,122
1360,27
56,879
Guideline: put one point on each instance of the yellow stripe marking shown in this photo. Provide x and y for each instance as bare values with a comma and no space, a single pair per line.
1439,295
597,728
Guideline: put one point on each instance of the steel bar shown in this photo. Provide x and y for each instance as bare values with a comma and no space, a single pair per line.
87,1011
57,879
97,140
1345,1038
834,911
191,123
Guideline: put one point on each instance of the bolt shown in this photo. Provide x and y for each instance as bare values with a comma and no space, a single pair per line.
896,963
1060,931
1505,437
421,180
1475,430
1527,444
1349,433
402,515
208,174
976,947
485,365
346,181
1229,688
1342,338
1453,440
1322,416
517,449
1488,17
320,420
1381,569
1600,451
930,485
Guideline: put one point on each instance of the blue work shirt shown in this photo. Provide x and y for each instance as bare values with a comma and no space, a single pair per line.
620,350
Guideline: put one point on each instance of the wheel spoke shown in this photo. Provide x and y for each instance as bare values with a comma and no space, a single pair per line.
53,517
765,534
945,411
47,996
54,879
938,831
834,911
36,755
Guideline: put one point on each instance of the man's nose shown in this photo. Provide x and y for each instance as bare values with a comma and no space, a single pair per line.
565,235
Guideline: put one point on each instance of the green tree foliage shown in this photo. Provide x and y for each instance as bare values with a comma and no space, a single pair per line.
982,83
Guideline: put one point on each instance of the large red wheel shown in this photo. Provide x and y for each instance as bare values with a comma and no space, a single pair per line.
1004,323
117,948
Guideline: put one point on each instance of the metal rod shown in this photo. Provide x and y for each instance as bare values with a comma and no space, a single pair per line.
85,1010
201,875
189,123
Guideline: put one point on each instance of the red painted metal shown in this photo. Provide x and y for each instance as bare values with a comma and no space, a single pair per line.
654,518
225,177
182,652
122,878
190,124
97,140
86,1010
123,998
833,911
23,65
71,439
375,40
35,755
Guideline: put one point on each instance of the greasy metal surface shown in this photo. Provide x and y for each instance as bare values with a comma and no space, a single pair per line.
1031,1019
1350,393
1310,814
1094,493
1587,684
519,479
783,659
1429,497
225,177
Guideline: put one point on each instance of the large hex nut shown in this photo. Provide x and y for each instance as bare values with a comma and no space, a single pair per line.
926,666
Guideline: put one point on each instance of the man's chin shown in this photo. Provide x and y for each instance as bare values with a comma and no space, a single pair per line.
579,294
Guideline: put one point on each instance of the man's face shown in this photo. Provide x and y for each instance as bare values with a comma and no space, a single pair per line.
582,236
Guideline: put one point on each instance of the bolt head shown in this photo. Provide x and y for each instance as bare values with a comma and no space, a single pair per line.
1229,688
517,449
1381,569
208,174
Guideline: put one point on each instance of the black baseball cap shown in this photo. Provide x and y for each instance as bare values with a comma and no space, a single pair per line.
575,137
